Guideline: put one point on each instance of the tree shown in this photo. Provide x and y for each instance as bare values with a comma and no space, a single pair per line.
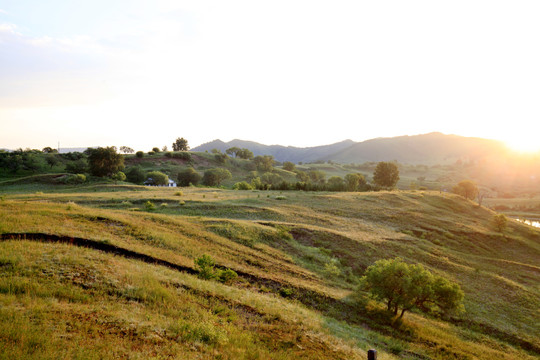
126,150
180,144
233,151
386,174
105,161
289,166
406,287
139,154
214,177
164,148
78,166
500,221
336,183
155,149
271,179
316,176
245,154
52,160
136,175
354,182
264,163
157,178
189,177
466,188
49,150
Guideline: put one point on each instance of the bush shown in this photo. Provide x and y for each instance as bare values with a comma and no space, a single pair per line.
214,177
156,150
242,186
139,154
149,206
157,178
182,155
205,265
75,179
189,177
135,175
500,222
227,276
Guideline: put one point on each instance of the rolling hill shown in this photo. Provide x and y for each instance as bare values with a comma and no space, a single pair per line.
91,271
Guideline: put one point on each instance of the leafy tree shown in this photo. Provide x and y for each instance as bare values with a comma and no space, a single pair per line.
271,179
164,148
289,166
139,154
180,144
245,154
136,175
52,160
336,183
264,163
316,176
500,221
386,174
157,178
105,161
302,176
77,166
406,287
466,188
31,162
155,149
189,177
221,158
214,177
233,151
49,150
354,182
126,150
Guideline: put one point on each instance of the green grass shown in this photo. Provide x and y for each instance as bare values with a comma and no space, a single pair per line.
298,261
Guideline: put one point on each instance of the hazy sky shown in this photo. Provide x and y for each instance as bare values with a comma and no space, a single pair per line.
303,73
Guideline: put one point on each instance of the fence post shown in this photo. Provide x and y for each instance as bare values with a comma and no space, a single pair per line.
372,354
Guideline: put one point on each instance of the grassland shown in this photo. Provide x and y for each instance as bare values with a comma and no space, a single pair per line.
298,256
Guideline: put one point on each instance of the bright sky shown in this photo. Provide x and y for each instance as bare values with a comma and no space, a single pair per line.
303,73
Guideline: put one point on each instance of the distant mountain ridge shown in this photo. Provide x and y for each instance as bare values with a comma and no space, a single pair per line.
429,148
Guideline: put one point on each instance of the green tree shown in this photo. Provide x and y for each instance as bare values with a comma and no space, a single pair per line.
386,174
336,183
189,177
289,166
49,150
354,182
139,154
316,176
126,150
466,188
136,175
157,178
264,163
302,176
406,287
155,149
243,185
271,179
245,154
52,160
500,221
180,144
105,161
214,177
78,166
233,151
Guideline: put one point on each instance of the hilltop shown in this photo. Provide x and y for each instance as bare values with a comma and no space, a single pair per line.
427,149
128,285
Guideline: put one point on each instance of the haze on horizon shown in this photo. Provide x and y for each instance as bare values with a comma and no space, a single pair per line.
302,73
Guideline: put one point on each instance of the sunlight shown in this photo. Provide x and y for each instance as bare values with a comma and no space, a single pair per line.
524,144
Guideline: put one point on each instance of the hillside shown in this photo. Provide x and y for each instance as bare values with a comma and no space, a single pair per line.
428,149
127,285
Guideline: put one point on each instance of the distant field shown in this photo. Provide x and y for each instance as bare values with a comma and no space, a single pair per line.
298,255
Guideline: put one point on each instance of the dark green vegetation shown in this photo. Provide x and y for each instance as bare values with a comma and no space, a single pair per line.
131,285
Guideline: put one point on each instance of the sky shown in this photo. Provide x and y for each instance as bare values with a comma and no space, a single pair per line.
301,73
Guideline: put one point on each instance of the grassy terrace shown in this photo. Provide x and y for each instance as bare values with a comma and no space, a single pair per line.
298,254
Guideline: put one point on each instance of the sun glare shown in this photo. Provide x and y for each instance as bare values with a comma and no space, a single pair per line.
524,145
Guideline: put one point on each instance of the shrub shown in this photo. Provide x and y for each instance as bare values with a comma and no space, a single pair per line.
182,155
139,154
155,149
214,177
135,175
227,276
75,179
205,265
157,178
242,186
149,206
188,176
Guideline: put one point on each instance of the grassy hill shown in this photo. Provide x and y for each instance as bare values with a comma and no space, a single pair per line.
91,271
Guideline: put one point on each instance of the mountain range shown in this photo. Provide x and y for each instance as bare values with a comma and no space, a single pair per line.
432,148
